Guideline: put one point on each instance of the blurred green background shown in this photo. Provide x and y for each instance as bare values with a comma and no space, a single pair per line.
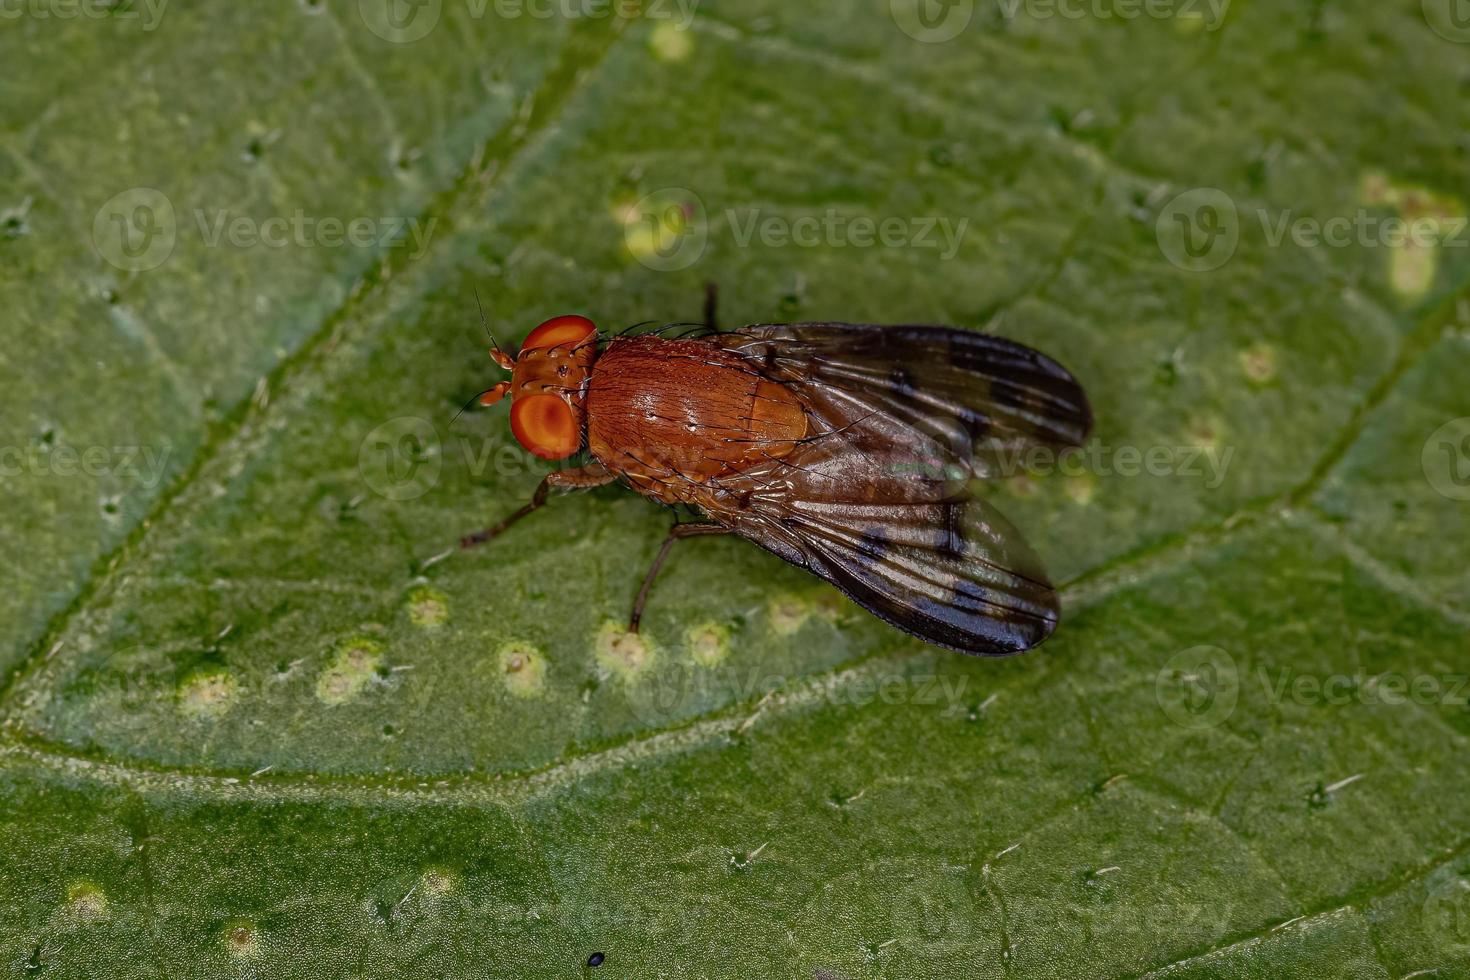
256,723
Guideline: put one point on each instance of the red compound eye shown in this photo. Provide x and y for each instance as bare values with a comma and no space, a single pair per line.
546,426
560,330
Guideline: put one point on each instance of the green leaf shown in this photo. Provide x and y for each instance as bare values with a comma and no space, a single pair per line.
257,720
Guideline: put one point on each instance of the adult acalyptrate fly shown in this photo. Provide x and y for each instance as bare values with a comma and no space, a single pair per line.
846,449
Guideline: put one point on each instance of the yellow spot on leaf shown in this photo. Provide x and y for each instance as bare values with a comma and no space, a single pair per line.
1204,433
1259,363
670,42
1430,220
708,644
86,902
523,669
207,695
437,881
351,670
788,613
428,607
1080,488
1412,269
625,654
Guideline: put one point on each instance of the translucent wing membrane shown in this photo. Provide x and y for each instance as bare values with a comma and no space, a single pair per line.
954,573
876,498
969,398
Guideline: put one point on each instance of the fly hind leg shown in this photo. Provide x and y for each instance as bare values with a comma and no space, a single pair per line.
675,533
583,477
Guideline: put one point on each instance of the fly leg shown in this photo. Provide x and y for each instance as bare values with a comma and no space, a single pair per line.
711,302
591,475
675,533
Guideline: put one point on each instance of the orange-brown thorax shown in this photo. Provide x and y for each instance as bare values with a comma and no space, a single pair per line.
669,414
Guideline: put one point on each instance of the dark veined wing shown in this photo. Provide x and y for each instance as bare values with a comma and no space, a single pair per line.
955,572
877,498
967,398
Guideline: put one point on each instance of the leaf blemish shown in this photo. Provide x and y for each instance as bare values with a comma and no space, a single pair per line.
1205,433
625,654
1080,488
351,670
788,613
428,607
523,669
206,695
86,902
1432,220
670,42
437,881
1258,362
242,938
709,644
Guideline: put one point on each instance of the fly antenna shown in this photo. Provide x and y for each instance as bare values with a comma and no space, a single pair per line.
497,390
485,322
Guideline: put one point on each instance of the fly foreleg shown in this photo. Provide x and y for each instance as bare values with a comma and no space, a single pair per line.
581,478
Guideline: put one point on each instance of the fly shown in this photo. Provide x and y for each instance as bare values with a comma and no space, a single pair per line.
848,450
